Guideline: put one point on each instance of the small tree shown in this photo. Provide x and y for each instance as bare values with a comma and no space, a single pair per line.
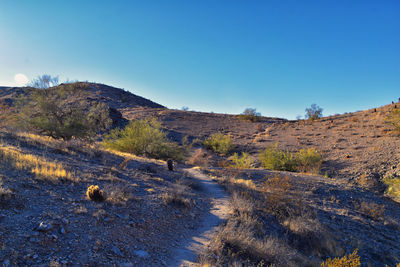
314,112
63,112
250,114
45,81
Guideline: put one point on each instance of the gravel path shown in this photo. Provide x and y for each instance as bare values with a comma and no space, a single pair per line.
185,255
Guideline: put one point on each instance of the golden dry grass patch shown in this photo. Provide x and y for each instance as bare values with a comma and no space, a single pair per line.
37,165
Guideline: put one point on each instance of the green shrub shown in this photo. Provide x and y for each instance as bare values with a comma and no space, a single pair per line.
241,162
393,187
276,159
62,112
314,112
143,137
306,160
394,119
219,143
250,114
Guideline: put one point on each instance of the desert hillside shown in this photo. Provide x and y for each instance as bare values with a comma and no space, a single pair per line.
211,209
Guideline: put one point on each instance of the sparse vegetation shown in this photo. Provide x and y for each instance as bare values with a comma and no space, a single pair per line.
94,193
352,260
60,113
242,162
314,112
305,160
219,143
250,114
143,137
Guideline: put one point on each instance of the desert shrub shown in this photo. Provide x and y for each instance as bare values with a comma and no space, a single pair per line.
45,81
352,260
276,159
219,143
94,193
308,160
250,114
394,119
62,112
393,187
305,160
143,137
314,112
372,210
241,162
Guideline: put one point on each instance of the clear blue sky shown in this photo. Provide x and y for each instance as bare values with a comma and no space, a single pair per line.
222,56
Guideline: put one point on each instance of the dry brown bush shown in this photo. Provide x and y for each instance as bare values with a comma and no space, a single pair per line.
199,158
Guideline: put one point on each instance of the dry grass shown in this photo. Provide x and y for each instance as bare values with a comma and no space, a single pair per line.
39,166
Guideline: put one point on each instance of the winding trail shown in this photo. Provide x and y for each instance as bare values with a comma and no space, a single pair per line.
185,255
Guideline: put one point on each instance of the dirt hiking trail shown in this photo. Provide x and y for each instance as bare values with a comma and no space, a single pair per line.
185,255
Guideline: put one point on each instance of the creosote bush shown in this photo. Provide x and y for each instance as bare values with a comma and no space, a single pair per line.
241,162
352,260
250,114
394,119
219,143
276,159
305,160
94,193
393,187
143,137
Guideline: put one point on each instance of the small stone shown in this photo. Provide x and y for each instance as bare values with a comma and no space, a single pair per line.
116,251
6,262
55,237
141,253
65,221
62,230
44,227
35,256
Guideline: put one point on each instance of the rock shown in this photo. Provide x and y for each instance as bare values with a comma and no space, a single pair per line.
65,221
141,253
44,227
6,262
62,230
117,251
